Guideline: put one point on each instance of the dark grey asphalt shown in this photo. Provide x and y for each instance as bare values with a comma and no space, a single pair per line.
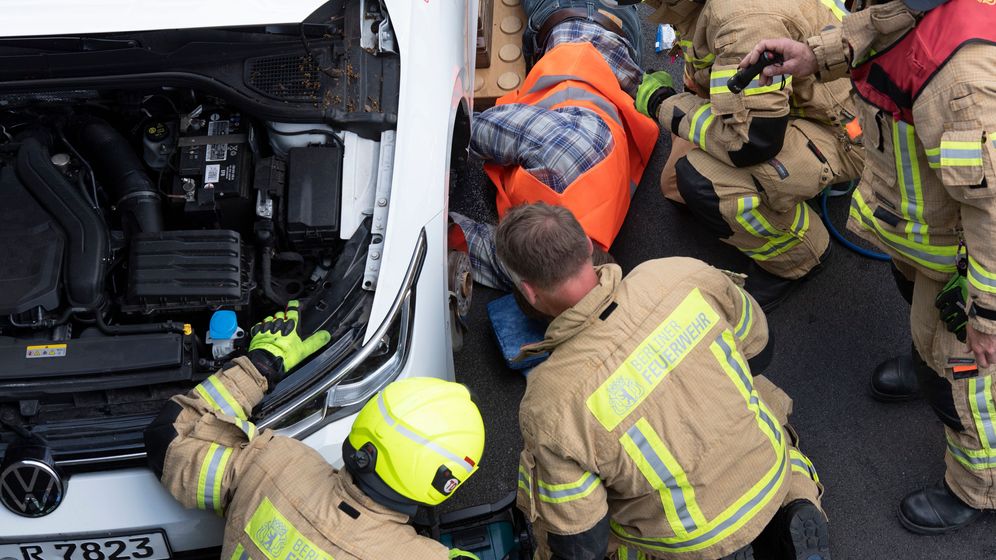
828,337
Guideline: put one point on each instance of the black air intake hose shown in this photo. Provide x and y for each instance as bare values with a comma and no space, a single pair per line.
85,232
118,166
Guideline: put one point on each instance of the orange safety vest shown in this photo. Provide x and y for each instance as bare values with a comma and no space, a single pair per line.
576,75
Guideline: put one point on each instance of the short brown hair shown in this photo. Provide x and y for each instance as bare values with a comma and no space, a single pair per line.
542,244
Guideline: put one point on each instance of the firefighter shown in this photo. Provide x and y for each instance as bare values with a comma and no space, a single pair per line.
645,434
923,71
411,445
758,155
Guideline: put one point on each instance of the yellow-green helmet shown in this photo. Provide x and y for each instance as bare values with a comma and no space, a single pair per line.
415,442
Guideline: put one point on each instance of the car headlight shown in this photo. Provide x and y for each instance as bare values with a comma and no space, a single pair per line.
342,378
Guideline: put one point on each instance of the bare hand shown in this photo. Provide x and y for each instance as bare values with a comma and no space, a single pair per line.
799,59
982,345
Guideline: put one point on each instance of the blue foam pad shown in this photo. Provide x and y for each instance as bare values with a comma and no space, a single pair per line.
513,330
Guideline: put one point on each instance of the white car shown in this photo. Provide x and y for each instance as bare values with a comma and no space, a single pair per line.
171,171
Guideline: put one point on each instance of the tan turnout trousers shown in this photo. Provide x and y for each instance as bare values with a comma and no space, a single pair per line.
758,208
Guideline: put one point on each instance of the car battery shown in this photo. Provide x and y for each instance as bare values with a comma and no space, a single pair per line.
214,170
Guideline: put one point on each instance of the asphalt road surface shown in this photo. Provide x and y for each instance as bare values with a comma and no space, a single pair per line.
828,337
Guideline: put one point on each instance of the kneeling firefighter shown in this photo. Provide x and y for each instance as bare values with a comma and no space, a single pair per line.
411,445
923,73
760,153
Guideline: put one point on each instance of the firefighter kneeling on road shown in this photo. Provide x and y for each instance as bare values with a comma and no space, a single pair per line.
412,444
759,154
645,433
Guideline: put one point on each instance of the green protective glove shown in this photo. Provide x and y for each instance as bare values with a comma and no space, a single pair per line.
278,337
653,89
457,553
951,303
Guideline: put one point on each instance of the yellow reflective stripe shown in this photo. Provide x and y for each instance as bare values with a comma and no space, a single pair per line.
211,474
569,492
981,400
277,538
665,475
757,225
248,428
525,481
974,459
935,257
240,553
718,80
802,464
837,7
751,502
218,396
980,278
746,316
933,157
652,360
960,153
908,171
698,63
701,119
626,553
778,82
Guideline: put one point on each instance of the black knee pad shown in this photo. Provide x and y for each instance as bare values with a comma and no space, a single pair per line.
159,435
701,198
937,391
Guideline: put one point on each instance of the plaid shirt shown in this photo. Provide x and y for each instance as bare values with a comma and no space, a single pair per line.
556,146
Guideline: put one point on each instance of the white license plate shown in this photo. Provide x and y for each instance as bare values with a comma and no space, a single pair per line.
145,546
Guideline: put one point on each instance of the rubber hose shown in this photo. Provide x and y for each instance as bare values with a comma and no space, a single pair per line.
116,163
146,328
825,214
86,235
267,277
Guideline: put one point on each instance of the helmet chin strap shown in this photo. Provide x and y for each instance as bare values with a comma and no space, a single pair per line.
376,489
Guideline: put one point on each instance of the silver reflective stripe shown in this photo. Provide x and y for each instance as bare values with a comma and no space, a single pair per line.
208,385
632,188
975,462
655,462
249,428
909,178
730,521
211,501
933,159
578,94
746,380
698,127
750,203
747,318
756,82
978,274
939,260
960,153
803,465
417,438
775,249
981,397
586,482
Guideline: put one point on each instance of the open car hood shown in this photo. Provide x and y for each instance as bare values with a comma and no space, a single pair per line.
23,18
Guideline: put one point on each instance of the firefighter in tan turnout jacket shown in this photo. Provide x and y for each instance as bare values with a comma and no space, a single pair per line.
645,434
282,500
759,154
923,72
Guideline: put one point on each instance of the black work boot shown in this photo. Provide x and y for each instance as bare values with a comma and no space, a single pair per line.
745,553
935,510
806,534
894,380
770,290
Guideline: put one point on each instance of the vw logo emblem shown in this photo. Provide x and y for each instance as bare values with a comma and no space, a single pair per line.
30,488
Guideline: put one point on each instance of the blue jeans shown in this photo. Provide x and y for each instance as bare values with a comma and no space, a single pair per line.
537,11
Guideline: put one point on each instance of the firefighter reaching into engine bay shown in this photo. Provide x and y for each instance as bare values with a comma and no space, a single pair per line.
759,154
413,444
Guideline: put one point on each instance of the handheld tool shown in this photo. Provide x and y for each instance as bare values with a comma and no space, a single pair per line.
743,77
